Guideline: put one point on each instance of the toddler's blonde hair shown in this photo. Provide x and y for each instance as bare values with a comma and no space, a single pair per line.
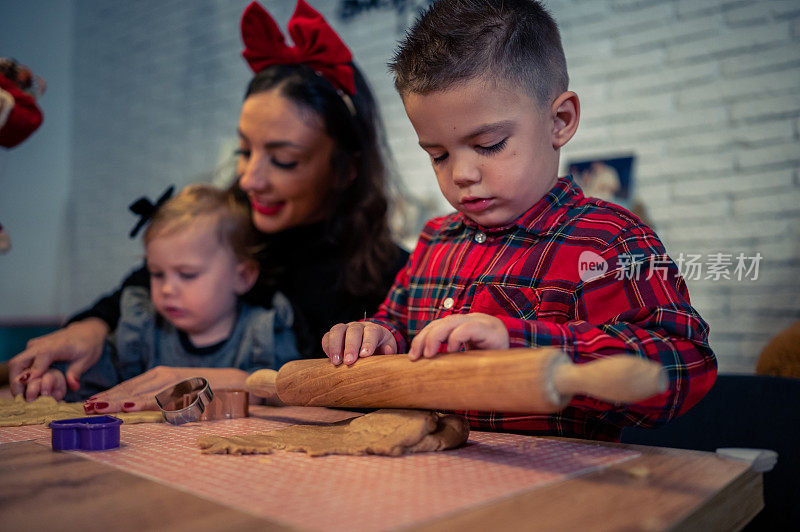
233,225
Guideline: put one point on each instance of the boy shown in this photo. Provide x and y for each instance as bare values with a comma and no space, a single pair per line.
527,260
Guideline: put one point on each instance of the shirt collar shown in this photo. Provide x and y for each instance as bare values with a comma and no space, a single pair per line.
536,219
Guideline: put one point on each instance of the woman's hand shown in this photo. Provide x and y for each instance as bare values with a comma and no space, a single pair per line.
473,331
349,341
139,392
52,383
80,343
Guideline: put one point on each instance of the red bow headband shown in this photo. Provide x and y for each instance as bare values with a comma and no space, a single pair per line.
316,44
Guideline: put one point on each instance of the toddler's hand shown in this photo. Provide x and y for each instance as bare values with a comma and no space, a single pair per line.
52,383
475,331
349,341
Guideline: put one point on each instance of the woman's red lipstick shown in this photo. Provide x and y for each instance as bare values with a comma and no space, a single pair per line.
268,210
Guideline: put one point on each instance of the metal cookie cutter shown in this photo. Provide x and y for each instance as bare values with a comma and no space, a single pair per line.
227,404
186,401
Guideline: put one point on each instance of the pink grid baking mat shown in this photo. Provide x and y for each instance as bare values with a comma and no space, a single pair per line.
344,492
23,433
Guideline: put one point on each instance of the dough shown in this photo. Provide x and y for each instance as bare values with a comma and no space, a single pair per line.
131,418
16,412
387,432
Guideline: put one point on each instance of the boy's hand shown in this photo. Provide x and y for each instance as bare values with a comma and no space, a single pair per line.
475,331
52,383
349,341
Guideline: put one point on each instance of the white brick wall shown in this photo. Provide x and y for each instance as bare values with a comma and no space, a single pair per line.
158,87
705,94
717,151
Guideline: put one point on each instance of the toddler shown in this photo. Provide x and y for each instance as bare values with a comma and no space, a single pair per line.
199,250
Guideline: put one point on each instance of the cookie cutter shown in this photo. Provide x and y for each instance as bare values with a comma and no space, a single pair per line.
186,401
227,404
96,433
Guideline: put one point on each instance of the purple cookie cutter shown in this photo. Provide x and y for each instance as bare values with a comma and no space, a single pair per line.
95,433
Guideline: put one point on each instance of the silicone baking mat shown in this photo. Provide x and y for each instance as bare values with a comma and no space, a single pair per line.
346,492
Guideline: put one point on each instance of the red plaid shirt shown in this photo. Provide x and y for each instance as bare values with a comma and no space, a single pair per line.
528,275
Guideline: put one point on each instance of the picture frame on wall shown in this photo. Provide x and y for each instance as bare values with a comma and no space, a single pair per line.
610,178
607,178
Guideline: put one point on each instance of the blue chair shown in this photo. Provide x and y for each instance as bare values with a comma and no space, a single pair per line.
753,411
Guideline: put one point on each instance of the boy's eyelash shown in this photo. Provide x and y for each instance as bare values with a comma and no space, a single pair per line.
241,152
495,147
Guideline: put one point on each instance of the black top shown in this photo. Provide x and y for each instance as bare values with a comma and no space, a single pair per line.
306,267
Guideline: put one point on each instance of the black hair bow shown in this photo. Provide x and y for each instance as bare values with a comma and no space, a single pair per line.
145,209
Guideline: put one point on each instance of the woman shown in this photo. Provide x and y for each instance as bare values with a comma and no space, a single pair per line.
311,166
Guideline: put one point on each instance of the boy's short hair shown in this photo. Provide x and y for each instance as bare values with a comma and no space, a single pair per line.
457,40
232,218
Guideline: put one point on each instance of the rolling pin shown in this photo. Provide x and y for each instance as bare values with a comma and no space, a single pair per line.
539,380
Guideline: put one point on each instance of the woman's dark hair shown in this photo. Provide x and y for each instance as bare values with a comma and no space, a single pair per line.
357,220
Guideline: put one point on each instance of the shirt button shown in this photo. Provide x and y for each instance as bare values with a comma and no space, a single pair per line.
480,237
448,303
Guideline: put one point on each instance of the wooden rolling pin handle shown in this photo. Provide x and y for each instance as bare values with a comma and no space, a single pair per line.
261,383
616,379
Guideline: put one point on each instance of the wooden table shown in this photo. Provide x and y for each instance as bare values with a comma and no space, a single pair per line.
662,489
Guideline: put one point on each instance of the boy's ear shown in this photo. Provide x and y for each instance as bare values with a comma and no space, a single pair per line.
566,113
246,275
